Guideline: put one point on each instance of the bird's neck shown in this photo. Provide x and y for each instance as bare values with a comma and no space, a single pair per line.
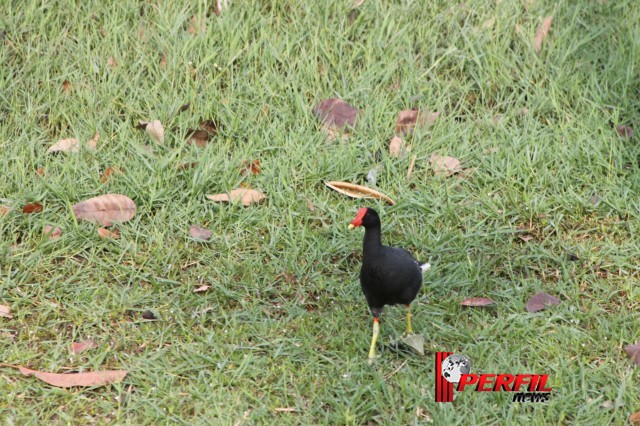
371,243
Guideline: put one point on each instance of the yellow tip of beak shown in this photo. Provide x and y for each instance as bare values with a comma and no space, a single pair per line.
351,226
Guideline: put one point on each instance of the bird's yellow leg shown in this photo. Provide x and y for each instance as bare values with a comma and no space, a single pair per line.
374,340
409,329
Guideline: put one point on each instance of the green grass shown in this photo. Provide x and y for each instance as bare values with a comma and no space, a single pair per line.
284,323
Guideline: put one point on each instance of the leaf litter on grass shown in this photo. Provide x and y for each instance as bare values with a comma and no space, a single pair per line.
106,209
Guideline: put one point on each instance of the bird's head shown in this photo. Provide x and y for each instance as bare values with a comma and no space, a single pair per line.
366,217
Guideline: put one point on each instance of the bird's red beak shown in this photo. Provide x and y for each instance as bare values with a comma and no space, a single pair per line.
357,221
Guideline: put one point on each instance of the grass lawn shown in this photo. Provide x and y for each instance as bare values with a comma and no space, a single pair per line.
282,335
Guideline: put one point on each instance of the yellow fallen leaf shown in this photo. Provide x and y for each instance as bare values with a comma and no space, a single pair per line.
92,145
358,191
398,146
155,130
542,33
64,145
247,196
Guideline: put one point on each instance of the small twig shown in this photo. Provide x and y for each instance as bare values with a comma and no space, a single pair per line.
396,370
413,162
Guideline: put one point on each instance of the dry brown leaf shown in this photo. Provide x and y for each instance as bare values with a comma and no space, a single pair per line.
635,417
64,145
541,301
477,301
107,174
96,378
200,233
163,61
336,113
155,130
444,166
398,146
5,312
66,86
202,136
111,62
52,232
92,145
106,209
541,34
40,171
79,347
196,26
624,131
105,233
252,167
185,166
408,120
633,351
247,196
198,137
4,210
201,289
32,208
358,191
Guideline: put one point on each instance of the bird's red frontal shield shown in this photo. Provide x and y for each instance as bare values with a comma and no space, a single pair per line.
357,221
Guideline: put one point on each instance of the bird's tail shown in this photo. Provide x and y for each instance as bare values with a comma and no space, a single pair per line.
425,266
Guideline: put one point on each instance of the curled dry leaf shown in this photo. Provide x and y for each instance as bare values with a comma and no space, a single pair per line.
96,378
541,34
106,209
408,120
398,146
252,167
358,191
624,131
201,289
477,301
541,301
5,312
64,145
92,145
247,196
105,233
32,208
107,174
201,136
336,113
198,137
200,233
79,347
155,130
633,351
52,232
444,166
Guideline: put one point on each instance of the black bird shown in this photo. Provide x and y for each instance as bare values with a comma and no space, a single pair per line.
389,275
